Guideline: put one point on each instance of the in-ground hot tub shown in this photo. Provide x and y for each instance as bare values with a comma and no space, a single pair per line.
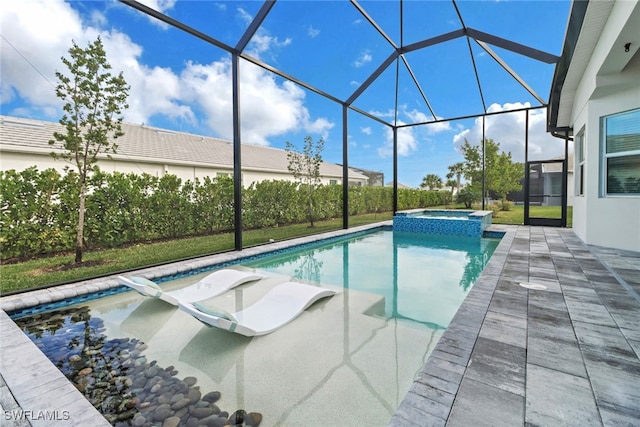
446,222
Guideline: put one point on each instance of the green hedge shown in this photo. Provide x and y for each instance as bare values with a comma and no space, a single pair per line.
39,208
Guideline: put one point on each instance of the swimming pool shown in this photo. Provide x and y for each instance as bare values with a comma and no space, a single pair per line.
352,357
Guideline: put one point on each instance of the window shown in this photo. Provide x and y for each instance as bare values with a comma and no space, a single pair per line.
333,182
580,157
621,153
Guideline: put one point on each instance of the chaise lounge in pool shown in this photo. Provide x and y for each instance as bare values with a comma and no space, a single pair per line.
279,306
210,286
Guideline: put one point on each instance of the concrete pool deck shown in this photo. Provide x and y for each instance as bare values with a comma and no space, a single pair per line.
566,355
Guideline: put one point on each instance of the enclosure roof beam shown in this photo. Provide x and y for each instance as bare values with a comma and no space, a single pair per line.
521,49
373,23
175,23
508,69
473,116
255,25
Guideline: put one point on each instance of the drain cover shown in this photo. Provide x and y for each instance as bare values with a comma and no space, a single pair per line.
534,286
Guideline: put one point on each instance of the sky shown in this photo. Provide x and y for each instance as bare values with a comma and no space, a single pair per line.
182,83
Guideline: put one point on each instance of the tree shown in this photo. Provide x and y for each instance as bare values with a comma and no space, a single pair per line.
452,185
94,100
507,176
456,170
305,168
431,182
501,174
468,196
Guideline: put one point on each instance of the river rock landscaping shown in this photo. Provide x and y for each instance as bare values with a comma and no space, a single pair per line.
119,381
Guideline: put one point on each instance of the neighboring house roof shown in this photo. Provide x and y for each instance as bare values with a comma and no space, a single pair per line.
145,143
400,185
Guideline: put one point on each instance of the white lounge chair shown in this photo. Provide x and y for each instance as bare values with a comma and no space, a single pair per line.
210,286
278,307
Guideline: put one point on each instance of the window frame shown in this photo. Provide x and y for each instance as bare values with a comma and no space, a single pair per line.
580,163
605,156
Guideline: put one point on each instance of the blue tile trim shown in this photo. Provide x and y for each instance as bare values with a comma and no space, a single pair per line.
37,309
462,223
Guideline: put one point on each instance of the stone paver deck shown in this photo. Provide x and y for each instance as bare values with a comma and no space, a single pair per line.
565,355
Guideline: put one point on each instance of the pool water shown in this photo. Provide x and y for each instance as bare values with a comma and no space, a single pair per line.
347,360
423,278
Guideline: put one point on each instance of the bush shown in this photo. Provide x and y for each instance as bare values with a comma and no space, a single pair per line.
468,196
506,205
39,210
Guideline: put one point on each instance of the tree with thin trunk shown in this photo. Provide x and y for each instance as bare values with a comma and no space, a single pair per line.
305,168
452,185
93,103
501,174
457,170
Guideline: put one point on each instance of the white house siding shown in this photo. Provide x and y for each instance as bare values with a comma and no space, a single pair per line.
24,143
611,221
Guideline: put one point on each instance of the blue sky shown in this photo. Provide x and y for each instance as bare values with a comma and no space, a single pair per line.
182,83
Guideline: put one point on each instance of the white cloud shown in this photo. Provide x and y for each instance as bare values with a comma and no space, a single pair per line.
29,55
407,142
389,114
417,116
268,108
98,19
414,116
366,130
262,42
312,32
42,31
244,15
364,58
509,131
159,5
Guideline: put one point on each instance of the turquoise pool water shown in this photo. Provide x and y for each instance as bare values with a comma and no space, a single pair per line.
423,278
347,360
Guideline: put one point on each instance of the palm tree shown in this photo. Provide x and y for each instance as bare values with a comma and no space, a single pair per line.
456,170
431,182
452,184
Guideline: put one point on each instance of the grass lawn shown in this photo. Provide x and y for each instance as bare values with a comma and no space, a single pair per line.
54,269
516,214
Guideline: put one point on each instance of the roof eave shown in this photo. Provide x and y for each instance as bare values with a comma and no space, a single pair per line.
574,26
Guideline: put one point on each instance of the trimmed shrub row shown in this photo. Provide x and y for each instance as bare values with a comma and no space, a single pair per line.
39,208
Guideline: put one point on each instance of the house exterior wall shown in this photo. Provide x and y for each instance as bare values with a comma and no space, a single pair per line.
570,187
598,219
20,160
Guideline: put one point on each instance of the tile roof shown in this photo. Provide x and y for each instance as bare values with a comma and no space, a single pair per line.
157,145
